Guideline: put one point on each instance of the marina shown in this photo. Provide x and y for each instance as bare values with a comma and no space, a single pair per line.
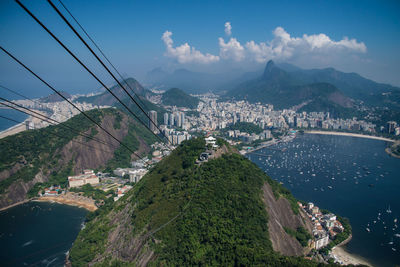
350,176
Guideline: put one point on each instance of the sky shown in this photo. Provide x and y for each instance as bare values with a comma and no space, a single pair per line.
208,36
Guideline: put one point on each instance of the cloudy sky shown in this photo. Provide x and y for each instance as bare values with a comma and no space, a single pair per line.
352,36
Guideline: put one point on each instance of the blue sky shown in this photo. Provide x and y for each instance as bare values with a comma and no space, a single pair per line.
310,34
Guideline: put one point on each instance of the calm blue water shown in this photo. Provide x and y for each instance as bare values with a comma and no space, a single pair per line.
38,234
352,177
12,114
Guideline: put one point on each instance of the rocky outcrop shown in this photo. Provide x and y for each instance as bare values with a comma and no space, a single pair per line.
280,215
121,246
17,191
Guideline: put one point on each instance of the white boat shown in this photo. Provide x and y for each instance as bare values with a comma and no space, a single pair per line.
389,210
368,230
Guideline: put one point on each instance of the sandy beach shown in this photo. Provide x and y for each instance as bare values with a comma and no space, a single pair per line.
72,199
21,126
346,258
351,134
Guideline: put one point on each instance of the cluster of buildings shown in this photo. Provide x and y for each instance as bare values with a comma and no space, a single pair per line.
53,190
217,115
87,177
175,136
392,128
325,226
248,138
59,111
176,118
209,153
121,191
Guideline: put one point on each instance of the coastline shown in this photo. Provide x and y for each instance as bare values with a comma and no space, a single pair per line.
350,134
21,126
70,199
346,258
15,204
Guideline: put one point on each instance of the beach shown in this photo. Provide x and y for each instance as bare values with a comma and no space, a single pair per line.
351,134
21,126
72,199
346,258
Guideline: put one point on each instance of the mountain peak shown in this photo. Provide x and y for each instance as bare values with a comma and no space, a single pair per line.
270,66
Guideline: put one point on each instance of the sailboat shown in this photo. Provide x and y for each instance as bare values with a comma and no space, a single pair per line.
388,210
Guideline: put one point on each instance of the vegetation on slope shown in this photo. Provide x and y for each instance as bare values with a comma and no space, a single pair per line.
191,215
176,97
36,149
245,127
300,234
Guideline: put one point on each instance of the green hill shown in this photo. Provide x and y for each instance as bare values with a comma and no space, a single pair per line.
176,97
107,99
182,214
46,156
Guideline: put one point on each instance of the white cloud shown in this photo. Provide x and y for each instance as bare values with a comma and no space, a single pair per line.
228,28
316,47
283,46
231,50
185,53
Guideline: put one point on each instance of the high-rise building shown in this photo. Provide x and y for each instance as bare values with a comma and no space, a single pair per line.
165,118
178,120
183,119
171,119
153,121
390,126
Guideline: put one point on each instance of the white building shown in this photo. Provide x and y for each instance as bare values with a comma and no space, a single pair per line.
136,175
88,177
321,241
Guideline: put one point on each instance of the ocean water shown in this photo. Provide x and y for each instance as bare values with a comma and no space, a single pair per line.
12,114
352,177
38,234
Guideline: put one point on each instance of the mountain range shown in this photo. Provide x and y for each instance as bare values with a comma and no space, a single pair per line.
277,81
284,90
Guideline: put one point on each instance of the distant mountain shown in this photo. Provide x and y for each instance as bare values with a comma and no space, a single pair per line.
196,82
176,97
107,99
283,90
351,84
55,97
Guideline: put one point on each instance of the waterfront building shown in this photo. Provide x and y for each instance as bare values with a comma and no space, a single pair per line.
321,241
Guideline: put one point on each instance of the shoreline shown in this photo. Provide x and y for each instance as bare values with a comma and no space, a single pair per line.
21,127
346,257
15,204
70,200
83,202
350,134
